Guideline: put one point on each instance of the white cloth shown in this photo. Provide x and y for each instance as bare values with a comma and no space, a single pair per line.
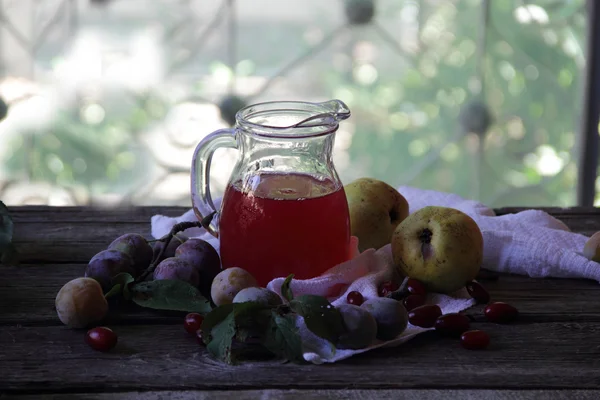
530,243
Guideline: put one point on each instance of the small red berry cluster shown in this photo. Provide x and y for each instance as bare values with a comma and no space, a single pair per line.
451,324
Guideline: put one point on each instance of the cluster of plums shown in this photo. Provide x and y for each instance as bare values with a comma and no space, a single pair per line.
194,261
81,302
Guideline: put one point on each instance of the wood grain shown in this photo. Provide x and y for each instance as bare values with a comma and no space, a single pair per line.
142,213
294,394
532,356
552,346
75,234
31,289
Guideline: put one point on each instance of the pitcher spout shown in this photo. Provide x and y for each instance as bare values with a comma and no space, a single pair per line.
287,119
337,108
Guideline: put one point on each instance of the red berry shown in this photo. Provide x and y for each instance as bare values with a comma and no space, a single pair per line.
500,312
101,338
453,324
415,287
355,298
387,288
475,340
424,316
193,322
478,292
413,301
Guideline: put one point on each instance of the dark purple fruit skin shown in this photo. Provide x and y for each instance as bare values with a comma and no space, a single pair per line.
475,340
204,258
413,301
500,312
478,292
107,264
424,316
453,324
137,247
174,268
169,252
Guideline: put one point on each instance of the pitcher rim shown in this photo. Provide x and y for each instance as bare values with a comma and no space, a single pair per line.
326,127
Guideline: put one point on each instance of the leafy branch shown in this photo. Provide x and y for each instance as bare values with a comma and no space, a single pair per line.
273,327
167,294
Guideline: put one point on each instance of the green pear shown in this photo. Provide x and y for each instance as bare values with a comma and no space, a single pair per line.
591,250
376,209
439,246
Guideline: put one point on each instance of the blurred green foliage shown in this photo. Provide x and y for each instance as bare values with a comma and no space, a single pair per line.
405,104
532,85
104,156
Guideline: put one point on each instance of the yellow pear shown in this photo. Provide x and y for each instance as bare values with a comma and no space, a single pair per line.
439,246
376,209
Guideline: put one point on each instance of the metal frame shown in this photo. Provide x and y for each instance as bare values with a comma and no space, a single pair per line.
589,139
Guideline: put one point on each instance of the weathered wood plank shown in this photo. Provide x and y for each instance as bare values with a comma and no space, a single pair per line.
75,234
30,291
74,213
293,394
532,356
87,214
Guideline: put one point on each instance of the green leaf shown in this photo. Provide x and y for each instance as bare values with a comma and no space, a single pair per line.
214,317
221,337
170,294
8,253
251,315
243,334
286,291
121,284
321,318
114,291
125,280
282,338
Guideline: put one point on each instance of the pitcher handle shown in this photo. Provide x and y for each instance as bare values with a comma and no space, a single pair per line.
202,203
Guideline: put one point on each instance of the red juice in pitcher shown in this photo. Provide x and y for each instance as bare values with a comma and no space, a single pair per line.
278,224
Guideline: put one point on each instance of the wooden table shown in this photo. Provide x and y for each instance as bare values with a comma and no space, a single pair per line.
555,345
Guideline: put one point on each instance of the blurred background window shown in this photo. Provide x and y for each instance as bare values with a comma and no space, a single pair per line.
105,100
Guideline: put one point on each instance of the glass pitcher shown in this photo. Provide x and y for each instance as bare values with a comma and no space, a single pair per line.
284,209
